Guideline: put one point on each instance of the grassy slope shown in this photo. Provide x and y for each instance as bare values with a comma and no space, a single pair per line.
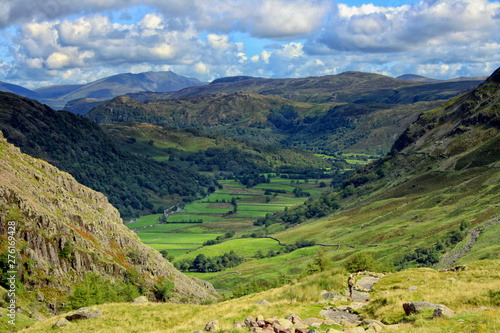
460,291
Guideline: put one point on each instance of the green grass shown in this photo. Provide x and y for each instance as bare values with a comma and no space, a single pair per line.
145,221
251,203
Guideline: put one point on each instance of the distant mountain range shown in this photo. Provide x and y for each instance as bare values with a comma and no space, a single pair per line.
352,111
107,88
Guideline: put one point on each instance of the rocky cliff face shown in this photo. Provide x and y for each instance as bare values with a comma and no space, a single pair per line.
51,210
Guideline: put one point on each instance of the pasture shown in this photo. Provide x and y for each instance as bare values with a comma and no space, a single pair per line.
216,215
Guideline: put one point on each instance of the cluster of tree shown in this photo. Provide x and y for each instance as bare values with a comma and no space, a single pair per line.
219,239
298,192
285,249
78,146
430,255
320,207
95,289
204,264
283,118
251,179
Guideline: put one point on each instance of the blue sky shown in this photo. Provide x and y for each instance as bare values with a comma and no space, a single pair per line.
64,41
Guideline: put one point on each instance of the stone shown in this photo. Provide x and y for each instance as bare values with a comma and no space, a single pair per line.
250,322
238,325
282,329
259,318
300,325
85,313
415,307
412,288
270,321
331,295
294,318
198,331
284,322
301,330
313,331
375,327
40,297
263,302
140,300
212,326
443,312
61,322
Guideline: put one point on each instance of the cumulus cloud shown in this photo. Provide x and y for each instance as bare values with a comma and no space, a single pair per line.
63,41
369,28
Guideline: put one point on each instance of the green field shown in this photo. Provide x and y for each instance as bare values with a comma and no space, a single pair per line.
216,212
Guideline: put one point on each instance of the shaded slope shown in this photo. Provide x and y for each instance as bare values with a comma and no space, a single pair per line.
134,184
50,210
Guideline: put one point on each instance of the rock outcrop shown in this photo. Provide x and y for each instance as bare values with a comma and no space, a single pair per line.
63,230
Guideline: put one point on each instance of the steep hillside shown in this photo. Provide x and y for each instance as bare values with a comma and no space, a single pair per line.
62,230
442,176
134,184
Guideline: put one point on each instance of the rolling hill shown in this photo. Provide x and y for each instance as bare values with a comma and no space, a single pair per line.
355,112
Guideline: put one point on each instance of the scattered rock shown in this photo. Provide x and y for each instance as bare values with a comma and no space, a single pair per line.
198,331
212,326
259,318
415,307
40,297
263,302
85,313
140,300
313,331
62,322
412,288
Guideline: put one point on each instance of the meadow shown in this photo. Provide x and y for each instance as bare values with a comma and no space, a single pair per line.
215,215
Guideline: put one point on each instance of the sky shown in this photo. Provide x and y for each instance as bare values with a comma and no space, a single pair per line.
49,42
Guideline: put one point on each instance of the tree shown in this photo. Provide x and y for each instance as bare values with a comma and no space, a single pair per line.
361,261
